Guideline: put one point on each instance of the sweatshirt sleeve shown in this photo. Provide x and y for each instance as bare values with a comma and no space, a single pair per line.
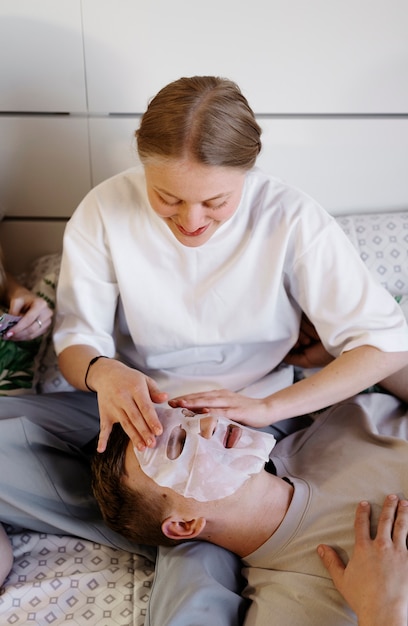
347,305
87,294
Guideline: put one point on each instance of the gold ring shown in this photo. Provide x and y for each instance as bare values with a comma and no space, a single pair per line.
39,322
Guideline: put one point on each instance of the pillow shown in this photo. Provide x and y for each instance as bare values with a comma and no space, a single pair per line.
17,366
32,366
381,240
43,280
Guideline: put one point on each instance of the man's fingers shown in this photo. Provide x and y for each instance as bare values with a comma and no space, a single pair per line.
400,530
362,522
387,517
332,563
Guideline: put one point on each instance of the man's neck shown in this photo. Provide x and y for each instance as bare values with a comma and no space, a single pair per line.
256,516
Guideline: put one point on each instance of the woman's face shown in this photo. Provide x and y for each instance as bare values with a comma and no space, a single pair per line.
193,199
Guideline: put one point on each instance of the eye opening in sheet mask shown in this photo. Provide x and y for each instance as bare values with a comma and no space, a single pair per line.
176,442
232,436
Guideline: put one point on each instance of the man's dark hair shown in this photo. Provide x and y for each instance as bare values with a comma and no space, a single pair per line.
134,514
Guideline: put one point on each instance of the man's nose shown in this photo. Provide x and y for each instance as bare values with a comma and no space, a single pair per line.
208,425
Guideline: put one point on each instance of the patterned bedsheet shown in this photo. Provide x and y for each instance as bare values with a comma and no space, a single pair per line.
58,580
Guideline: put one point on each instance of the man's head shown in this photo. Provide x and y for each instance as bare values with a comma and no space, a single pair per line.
198,460
204,457
135,513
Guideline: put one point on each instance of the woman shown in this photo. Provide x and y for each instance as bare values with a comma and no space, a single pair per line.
184,281
211,262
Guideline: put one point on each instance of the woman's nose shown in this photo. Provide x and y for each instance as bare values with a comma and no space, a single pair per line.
191,218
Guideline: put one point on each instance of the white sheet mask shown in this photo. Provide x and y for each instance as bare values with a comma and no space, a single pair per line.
200,468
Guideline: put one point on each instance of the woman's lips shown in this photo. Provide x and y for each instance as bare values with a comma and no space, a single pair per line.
195,233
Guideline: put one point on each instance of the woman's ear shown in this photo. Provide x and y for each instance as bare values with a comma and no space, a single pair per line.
183,529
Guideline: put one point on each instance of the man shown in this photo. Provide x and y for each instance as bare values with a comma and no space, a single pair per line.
356,449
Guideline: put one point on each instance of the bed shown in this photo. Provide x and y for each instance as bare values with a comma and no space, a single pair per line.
67,580
58,579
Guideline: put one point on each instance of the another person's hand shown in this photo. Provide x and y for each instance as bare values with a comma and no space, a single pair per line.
36,315
308,351
375,581
224,403
127,396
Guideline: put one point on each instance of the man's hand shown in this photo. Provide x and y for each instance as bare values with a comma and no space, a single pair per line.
375,581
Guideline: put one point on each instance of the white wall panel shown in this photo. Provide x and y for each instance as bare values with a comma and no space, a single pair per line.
289,56
42,65
113,146
89,58
44,165
347,165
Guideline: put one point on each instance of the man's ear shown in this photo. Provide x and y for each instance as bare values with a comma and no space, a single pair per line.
175,528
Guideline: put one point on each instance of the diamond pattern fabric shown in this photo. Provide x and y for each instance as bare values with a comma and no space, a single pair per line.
58,580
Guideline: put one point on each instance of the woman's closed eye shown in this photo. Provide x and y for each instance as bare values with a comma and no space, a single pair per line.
168,202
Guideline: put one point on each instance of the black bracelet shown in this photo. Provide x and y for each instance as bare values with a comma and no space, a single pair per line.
91,362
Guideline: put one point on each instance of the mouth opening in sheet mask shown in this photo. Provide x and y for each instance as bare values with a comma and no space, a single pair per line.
204,458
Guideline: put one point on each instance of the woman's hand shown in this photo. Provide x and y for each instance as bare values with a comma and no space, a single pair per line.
36,315
125,395
234,406
375,581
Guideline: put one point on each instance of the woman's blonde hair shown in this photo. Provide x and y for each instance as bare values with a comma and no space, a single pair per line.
206,118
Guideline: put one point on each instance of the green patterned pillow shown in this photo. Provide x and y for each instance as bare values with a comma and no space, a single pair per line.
17,366
19,360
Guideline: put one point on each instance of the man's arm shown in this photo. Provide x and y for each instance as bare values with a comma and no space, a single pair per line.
308,352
